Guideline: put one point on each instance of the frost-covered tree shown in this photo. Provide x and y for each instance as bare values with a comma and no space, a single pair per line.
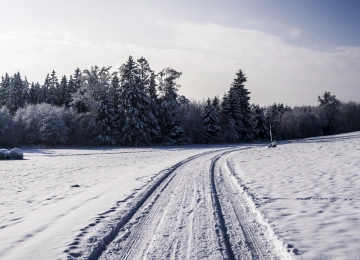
94,94
42,124
301,122
245,131
211,122
95,85
190,113
7,128
273,116
44,96
105,123
231,116
62,91
260,127
4,90
53,129
34,93
151,90
28,123
147,79
331,105
69,91
26,91
170,123
17,93
137,120
81,107
115,91
53,89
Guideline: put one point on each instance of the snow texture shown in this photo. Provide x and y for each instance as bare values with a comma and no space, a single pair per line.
299,200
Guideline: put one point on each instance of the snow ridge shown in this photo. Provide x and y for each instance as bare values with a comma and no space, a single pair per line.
282,247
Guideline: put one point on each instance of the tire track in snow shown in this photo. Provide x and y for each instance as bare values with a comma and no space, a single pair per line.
161,228
194,211
215,196
259,240
97,247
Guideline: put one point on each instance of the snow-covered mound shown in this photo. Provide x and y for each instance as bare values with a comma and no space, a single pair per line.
4,154
16,154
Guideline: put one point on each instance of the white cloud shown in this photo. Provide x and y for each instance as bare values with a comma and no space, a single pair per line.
295,32
209,56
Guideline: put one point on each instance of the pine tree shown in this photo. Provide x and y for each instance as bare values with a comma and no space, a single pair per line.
4,90
245,132
260,128
94,94
105,123
151,90
34,93
170,123
211,122
81,107
16,94
44,97
231,116
331,105
69,91
115,91
53,90
144,73
148,84
136,116
62,91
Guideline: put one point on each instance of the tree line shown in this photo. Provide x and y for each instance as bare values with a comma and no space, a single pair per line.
135,106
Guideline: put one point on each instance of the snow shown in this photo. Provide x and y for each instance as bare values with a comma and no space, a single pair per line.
41,213
304,193
308,190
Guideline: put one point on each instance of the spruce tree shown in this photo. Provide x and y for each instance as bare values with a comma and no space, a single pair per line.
4,90
62,91
331,105
148,84
115,91
134,109
16,98
44,96
231,116
53,91
170,123
105,123
69,91
245,132
34,93
81,107
260,127
211,122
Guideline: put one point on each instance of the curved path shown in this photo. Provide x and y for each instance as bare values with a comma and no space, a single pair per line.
196,212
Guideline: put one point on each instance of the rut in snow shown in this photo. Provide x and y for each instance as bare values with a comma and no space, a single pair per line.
194,211
97,245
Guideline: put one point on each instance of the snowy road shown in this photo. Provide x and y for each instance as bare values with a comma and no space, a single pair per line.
197,212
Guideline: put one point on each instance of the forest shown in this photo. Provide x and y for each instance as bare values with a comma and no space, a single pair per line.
135,106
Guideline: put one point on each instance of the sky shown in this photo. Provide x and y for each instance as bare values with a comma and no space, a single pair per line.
291,51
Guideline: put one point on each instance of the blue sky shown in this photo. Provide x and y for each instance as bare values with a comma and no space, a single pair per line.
291,51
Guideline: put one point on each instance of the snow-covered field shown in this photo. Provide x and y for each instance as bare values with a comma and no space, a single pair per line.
309,190
188,202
